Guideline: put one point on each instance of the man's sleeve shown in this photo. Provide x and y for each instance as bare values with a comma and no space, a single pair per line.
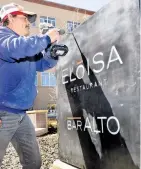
46,62
14,48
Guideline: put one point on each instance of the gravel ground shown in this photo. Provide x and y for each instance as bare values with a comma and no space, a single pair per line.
49,151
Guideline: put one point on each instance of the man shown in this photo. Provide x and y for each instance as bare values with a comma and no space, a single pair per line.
20,57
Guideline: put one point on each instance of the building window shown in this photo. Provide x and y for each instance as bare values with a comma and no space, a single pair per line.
45,19
36,80
52,79
72,25
48,79
45,79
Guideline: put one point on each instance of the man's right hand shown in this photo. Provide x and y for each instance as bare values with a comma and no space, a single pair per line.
54,35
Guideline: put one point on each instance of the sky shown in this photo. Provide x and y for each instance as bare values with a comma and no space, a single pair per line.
93,5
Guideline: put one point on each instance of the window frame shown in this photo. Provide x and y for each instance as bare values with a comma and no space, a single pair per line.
74,25
48,82
47,18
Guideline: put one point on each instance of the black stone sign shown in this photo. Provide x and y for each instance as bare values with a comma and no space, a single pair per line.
98,90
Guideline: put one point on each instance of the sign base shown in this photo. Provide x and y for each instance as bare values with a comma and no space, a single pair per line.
61,165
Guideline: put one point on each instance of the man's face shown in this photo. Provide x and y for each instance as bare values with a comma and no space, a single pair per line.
21,25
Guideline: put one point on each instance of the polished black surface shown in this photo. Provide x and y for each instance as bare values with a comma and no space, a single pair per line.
99,78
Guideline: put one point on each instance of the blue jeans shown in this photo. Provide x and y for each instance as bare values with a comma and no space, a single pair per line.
19,130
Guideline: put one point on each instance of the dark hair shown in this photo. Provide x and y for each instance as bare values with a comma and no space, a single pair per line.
6,22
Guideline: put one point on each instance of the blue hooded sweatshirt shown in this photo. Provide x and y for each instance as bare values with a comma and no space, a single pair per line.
20,58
